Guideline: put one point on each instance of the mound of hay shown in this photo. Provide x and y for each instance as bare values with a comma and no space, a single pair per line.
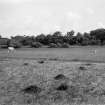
33,89
60,82
41,61
59,77
82,68
62,87
88,64
26,64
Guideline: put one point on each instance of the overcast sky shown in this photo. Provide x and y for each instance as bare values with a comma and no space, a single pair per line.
46,16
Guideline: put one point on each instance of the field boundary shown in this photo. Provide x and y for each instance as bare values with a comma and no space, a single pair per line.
52,59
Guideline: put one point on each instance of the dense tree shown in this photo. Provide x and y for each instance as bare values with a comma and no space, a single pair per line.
52,45
0,36
14,43
65,45
17,38
36,44
27,40
41,38
79,38
57,34
48,39
98,34
57,39
71,33
4,42
70,38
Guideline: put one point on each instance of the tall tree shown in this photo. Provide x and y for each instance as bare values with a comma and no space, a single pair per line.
99,34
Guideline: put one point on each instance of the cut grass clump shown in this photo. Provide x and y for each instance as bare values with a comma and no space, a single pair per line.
98,92
62,87
73,91
82,68
41,61
58,97
75,60
60,82
33,89
26,64
88,64
59,77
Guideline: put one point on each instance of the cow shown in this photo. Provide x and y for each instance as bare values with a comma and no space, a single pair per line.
11,49
93,52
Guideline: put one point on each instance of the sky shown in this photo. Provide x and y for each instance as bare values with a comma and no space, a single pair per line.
32,17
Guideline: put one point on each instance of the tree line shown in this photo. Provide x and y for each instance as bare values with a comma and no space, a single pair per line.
56,40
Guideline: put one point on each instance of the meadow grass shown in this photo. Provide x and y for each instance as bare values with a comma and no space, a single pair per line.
52,77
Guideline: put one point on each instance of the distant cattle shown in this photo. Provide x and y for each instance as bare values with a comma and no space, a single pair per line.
11,49
93,52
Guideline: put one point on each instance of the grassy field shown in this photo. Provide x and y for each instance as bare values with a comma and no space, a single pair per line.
52,76
66,54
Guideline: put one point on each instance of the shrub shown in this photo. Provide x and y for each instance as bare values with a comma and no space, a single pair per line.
4,42
85,43
3,46
59,45
36,44
95,42
65,45
52,45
